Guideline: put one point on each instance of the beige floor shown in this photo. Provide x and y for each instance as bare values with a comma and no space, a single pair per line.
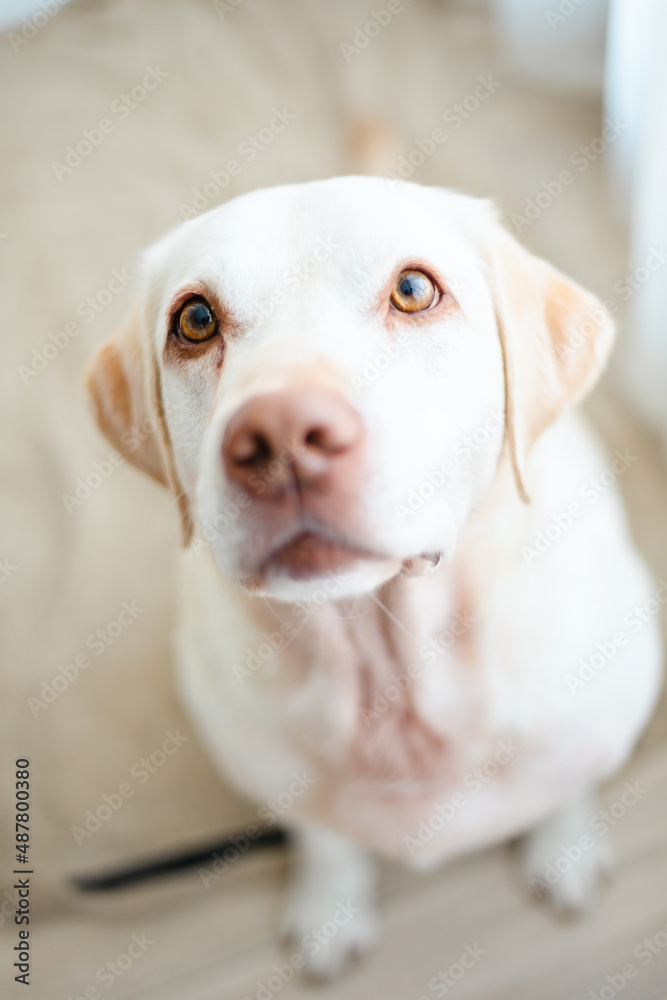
62,241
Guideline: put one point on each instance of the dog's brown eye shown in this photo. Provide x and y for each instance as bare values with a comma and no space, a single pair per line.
413,292
195,321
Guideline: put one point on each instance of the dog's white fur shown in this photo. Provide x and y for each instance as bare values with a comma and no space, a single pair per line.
348,690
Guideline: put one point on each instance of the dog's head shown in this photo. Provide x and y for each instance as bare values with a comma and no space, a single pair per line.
328,375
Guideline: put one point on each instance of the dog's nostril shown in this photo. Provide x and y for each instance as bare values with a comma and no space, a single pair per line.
318,438
251,450
331,439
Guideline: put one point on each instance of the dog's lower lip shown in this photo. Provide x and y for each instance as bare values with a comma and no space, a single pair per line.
309,554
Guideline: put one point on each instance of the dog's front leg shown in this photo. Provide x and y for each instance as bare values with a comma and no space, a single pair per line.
331,915
564,859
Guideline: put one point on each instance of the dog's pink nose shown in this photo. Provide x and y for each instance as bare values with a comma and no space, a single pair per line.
304,438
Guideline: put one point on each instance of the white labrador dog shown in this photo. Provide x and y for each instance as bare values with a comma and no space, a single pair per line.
413,622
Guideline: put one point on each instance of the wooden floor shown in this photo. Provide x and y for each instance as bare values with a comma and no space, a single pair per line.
219,943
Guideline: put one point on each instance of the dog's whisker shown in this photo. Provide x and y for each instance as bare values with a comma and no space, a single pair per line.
392,617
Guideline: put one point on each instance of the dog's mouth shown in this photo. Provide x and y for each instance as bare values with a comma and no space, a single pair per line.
310,554
315,554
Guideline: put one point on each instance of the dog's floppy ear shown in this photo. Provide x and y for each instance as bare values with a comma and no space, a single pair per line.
555,339
124,387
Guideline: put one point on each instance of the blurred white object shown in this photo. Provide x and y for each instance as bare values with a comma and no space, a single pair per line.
636,91
559,43
14,13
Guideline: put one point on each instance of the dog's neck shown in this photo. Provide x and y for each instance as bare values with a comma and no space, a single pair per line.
389,680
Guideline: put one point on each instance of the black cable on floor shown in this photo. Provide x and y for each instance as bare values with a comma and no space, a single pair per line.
144,870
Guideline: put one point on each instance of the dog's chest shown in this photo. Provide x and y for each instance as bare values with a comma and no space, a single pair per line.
394,741
365,698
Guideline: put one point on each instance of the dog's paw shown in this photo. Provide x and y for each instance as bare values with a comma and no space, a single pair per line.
328,933
562,864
